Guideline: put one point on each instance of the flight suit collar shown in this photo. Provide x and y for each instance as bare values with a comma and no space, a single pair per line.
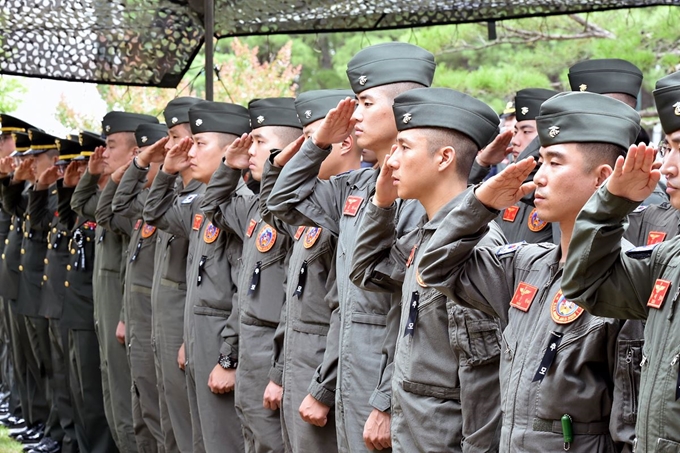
444,211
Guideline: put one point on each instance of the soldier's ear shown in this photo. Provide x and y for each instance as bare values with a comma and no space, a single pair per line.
446,157
603,172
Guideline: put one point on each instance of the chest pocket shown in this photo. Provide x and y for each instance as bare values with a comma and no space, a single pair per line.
311,306
176,256
477,335
263,304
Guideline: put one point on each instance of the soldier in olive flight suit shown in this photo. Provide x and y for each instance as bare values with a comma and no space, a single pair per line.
447,356
85,379
139,272
168,291
377,74
311,297
558,369
108,271
608,278
262,276
212,270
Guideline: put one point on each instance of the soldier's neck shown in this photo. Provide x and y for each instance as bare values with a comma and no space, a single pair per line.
186,178
567,229
438,196
103,179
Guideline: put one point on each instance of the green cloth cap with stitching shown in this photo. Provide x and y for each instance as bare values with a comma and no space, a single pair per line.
177,110
392,62
667,99
115,122
606,76
9,124
528,102
576,117
89,141
148,134
68,150
222,117
448,109
273,112
40,142
314,105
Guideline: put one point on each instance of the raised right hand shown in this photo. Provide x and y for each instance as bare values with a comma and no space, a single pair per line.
73,173
496,151
636,176
177,159
152,154
337,125
96,165
508,187
24,172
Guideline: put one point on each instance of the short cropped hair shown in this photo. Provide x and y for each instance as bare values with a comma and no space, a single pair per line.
466,148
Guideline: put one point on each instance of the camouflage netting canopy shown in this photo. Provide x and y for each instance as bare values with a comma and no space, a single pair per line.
152,42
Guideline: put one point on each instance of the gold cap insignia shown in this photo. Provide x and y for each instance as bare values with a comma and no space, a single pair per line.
362,80
80,139
583,87
14,137
308,114
553,131
525,110
57,143
407,118
199,122
676,106
30,134
107,128
260,119
145,139
174,120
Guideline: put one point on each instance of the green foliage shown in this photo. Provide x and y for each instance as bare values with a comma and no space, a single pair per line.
11,90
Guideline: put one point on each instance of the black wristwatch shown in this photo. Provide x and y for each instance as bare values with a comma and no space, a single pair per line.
227,362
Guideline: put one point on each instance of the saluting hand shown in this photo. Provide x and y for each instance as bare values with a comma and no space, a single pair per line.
385,190
221,380
153,154
97,164
314,411
73,173
48,177
288,152
117,175
177,159
508,187
636,176
6,165
337,125
236,155
24,172
496,151
272,396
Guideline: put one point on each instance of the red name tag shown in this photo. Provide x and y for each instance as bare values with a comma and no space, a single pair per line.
352,204
523,297
411,255
658,296
138,224
510,213
251,227
198,221
655,237
299,232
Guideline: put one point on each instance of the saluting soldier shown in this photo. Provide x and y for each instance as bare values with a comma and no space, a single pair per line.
607,279
558,370
212,270
111,241
445,391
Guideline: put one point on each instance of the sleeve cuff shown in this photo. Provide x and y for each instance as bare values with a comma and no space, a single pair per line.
322,394
228,350
276,374
380,400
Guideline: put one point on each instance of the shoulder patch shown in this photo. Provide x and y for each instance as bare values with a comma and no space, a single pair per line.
640,209
189,198
642,252
510,248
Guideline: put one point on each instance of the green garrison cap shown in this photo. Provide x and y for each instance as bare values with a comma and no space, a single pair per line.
528,102
273,112
667,99
148,134
207,116
392,62
114,122
21,143
89,141
9,124
177,110
606,76
314,105
68,150
576,117
40,142
449,109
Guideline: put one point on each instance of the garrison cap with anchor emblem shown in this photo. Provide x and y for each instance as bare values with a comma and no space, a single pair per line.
448,109
177,110
528,102
575,117
314,105
115,122
148,134
391,62
667,99
21,143
273,112
606,76
9,124
68,150
223,117
40,142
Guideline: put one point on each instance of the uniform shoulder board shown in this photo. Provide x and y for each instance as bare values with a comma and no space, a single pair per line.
644,251
510,248
640,209
189,198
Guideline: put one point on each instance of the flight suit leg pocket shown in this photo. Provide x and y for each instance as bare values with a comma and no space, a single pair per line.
628,375
667,446
435,391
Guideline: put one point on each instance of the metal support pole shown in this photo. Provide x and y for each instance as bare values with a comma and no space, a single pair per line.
209,47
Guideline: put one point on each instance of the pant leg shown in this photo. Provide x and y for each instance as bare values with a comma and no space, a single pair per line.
38,407
167,433
92,427
12,384
19,360
196,433
60,387
6,379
